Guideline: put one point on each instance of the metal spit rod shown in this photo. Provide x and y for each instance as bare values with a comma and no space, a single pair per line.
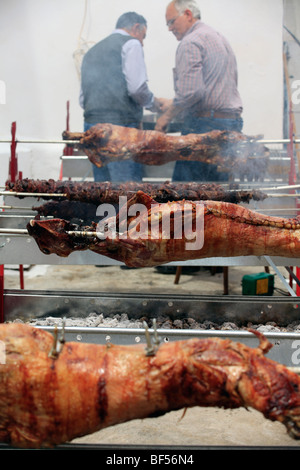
50,195
273,188
283,195
14,231
75,142
40,141
21,208
21,194
4,207
16,208
74,233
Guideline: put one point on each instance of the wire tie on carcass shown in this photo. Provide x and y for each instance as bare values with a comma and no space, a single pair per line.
57,343
156,337
62,339
149,348
53,354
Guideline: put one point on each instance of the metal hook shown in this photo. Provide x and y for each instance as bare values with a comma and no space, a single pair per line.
62,339
150,349
57,342
156,337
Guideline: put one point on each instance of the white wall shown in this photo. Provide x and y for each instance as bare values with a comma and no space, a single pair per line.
38,39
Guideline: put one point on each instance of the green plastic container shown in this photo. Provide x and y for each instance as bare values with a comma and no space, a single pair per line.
258,284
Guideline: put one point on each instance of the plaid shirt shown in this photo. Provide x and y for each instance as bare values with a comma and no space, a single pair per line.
205,75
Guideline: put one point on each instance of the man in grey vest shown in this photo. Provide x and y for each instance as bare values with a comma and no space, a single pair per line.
114,88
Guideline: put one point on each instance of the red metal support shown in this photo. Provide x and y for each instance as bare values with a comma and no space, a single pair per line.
13,173
13,161
21,272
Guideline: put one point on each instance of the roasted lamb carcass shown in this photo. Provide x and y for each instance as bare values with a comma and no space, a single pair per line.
103,143
107,192
52,393
174,231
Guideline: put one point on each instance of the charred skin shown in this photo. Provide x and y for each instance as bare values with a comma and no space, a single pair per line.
228,230
88,387
103,143
68,210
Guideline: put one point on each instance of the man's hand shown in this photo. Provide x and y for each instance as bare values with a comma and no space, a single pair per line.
162,104
164,119
162,123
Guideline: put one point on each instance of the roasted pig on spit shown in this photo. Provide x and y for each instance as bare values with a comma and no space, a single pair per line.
53,391
107,192
174,231
104,143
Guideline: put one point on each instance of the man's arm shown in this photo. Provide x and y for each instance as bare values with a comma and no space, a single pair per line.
134,69
135,72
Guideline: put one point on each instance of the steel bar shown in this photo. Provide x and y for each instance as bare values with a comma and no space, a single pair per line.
41,141
281,277
13,231
282,351
75,142
283,195
278,141
292,274
16,208
21,194
78,233
275,188
72,157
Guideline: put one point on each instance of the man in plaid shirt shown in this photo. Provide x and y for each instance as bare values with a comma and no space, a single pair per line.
205,84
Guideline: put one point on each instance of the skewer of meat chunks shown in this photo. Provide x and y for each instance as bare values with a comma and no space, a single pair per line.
145,233
107,192
104,143
53,391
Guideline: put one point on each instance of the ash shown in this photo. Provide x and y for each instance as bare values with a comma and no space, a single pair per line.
162,322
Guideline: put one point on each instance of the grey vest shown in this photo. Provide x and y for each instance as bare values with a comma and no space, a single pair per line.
104,87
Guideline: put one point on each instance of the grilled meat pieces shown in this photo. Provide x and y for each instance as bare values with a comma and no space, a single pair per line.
103,143
107,192
47,400
176,231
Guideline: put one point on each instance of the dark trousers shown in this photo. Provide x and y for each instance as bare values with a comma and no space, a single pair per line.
117,172
198,171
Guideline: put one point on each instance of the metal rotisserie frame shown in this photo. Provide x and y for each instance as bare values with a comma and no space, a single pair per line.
21,303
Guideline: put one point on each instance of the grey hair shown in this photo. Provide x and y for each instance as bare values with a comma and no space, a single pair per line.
182,5
129,19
